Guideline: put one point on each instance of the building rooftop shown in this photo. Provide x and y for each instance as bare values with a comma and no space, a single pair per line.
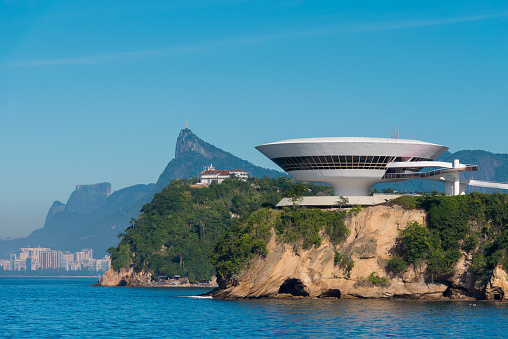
221,172
352,140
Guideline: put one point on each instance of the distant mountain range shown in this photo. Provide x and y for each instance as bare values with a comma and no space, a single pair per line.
93,216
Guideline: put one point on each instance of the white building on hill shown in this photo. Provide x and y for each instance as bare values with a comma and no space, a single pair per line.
210,174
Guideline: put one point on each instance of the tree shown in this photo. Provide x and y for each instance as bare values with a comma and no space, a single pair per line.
342,201
295,193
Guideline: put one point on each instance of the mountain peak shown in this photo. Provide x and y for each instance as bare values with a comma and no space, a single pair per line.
57,207
192,154
88,198
188,141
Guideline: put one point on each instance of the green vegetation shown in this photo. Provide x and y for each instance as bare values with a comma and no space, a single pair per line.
345,262
377,280
355,210
304,226
301,227
474,223
295,194
242,241
407,202
396,265
342,201
371,281
175,233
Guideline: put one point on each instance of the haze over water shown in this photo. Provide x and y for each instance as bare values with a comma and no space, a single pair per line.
65,307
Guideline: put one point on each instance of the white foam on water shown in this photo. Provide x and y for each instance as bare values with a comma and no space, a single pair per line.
197,296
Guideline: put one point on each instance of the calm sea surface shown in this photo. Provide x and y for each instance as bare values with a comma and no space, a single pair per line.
70,307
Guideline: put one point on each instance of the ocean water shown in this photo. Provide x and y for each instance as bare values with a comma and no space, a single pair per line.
71,308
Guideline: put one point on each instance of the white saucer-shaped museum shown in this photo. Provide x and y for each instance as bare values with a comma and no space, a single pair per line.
353,165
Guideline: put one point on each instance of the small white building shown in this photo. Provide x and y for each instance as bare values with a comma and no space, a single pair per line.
210,174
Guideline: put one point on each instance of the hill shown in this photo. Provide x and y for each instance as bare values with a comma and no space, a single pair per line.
177,229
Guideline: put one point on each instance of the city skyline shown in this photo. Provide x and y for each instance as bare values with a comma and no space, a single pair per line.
44,258
98,92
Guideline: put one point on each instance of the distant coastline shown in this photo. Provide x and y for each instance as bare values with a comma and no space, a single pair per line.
50,276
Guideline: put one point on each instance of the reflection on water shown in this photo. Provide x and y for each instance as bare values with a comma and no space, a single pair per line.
71,308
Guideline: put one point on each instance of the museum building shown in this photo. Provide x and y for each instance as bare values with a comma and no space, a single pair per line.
353,165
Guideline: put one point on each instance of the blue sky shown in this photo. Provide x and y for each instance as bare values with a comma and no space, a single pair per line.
95,91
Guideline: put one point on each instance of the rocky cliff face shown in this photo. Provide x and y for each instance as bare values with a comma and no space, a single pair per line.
112,278
312,273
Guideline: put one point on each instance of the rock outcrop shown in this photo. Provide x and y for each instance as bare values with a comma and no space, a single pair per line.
125,278
285,272
497,287
130,278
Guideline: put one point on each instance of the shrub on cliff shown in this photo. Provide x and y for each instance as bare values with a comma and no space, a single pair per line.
396,265
304,226
242,241
300,227
371,281
475,223
345,262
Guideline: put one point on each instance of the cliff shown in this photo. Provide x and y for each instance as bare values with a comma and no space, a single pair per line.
286,272
125,277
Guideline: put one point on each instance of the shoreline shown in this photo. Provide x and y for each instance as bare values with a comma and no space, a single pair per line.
185,286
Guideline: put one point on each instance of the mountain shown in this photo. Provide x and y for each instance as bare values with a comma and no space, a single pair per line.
93,216
88,198
193,154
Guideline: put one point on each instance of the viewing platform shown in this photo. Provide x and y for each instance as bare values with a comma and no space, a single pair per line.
335,201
